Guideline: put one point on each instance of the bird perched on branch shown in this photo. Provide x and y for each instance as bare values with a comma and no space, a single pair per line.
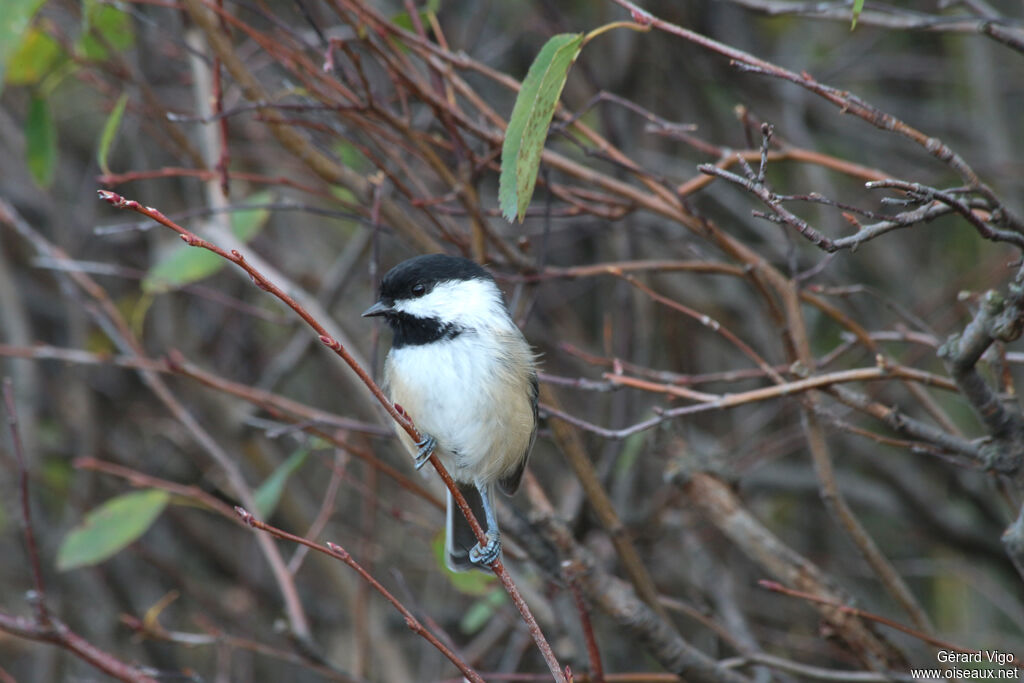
461,369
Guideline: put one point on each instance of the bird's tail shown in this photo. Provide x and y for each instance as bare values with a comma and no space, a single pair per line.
459,536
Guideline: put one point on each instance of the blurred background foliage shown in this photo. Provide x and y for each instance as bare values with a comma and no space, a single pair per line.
114,95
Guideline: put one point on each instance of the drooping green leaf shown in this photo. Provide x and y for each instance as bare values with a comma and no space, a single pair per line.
858,6
111,527
269,492
33,59
469,583
14,21
104,25
109,131
40,142
185,265
528,126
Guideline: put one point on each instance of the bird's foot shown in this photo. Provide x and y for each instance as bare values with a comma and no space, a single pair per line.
486,555
424,449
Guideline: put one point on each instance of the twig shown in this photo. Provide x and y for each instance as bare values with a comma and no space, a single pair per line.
42,614
894,17
924,193
620,602
58,633
400,417
732,400
339,553
46,627
571,571
998,318
846,102
142,480
109,318
842,607
815,672
781,214
721,505
214,636
326,510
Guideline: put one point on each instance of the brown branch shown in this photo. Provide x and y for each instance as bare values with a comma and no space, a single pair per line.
339,553
203,14
571,445
142,480
864,614
58,633
46,627
721,505
793,388
27,530
400,417
621,603
117,328
593,651
998,28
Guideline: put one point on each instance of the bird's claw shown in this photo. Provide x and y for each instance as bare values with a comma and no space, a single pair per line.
487,554
424,449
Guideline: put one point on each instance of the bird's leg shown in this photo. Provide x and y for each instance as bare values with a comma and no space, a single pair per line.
491,551
424,449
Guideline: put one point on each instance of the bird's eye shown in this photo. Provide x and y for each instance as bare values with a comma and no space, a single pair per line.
419,289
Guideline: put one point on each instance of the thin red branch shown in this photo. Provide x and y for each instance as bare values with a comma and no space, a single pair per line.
58,633
337,552
593,651
924,637
26,506
399,416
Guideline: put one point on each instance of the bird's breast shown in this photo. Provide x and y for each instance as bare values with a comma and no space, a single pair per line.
466,394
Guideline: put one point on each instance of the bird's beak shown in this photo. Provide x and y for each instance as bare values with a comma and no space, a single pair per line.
379,308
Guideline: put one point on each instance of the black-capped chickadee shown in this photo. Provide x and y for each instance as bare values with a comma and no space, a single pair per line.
463,372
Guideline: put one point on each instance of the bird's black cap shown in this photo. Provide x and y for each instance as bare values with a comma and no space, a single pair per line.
416,276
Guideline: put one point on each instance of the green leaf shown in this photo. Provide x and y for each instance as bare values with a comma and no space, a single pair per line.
185,265
469,583
112,25
33,59
181,267
269,492
40,142
110,527
403,20
632,448
14,22
858,5
110,131
481,611
531,117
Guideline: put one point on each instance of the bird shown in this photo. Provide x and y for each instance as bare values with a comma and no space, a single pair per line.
462,370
